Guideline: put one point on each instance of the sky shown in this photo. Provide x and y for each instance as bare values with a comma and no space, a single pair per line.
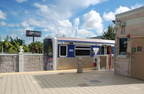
69,18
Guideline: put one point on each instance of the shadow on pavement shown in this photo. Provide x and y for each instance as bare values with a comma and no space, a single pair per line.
85,79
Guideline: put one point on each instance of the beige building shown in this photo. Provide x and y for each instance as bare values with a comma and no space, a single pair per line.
129,51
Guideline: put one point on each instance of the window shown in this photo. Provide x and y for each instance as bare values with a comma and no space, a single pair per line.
63,50
102,50
123,46
48,48
82,50
105,49
109,48
123,30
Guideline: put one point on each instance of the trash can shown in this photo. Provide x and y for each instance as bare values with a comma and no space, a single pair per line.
80,65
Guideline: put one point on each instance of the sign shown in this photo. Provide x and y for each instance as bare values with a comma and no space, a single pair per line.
70,50
133,49
31,33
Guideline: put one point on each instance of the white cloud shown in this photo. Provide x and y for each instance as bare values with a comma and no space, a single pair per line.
62,33
64,9
13,25
84,33
80,3
121,9
51,28
43,8
25,24
137,6
60,28
20,1
34,22
76,21
54,18
2,23
111,15
29,28
45,29
65,23
2,15
52,12
92,20
76,25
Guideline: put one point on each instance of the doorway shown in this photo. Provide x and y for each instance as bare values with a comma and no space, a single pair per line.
137,58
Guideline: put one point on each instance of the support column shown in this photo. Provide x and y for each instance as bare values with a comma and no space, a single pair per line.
21,62
105,50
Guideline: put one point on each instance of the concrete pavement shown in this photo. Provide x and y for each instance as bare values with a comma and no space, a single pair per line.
69,82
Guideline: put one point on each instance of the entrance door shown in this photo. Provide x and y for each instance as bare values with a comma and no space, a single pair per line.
137,60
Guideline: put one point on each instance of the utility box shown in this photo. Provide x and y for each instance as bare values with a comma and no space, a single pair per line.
96,62
104,62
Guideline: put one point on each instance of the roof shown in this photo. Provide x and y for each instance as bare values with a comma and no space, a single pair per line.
84,40
140,8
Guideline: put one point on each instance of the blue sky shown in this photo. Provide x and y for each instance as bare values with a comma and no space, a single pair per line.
60,17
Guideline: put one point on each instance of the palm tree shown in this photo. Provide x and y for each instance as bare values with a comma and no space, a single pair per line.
40,46
15,44
1,46
35,47
110,33
6,44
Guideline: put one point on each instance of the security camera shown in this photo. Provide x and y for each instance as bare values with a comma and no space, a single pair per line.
116,21
113,21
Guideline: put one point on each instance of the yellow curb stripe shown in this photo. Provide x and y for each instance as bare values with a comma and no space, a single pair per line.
43,71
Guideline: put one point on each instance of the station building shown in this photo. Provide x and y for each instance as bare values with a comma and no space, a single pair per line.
129,43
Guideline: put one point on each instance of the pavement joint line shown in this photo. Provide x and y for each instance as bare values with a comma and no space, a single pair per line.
42,71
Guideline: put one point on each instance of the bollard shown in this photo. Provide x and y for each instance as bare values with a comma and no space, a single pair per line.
80,65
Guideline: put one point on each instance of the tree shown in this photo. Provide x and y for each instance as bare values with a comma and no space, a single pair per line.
6,44
15,44
11,45
110,33
36,47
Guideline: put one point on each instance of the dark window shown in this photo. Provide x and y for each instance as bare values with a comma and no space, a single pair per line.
82,51
102,50
123,46
63,50
109,48
48,48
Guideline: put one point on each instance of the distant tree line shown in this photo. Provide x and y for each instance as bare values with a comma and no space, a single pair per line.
11,46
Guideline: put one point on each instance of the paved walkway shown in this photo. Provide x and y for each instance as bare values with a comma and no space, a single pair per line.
69,82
